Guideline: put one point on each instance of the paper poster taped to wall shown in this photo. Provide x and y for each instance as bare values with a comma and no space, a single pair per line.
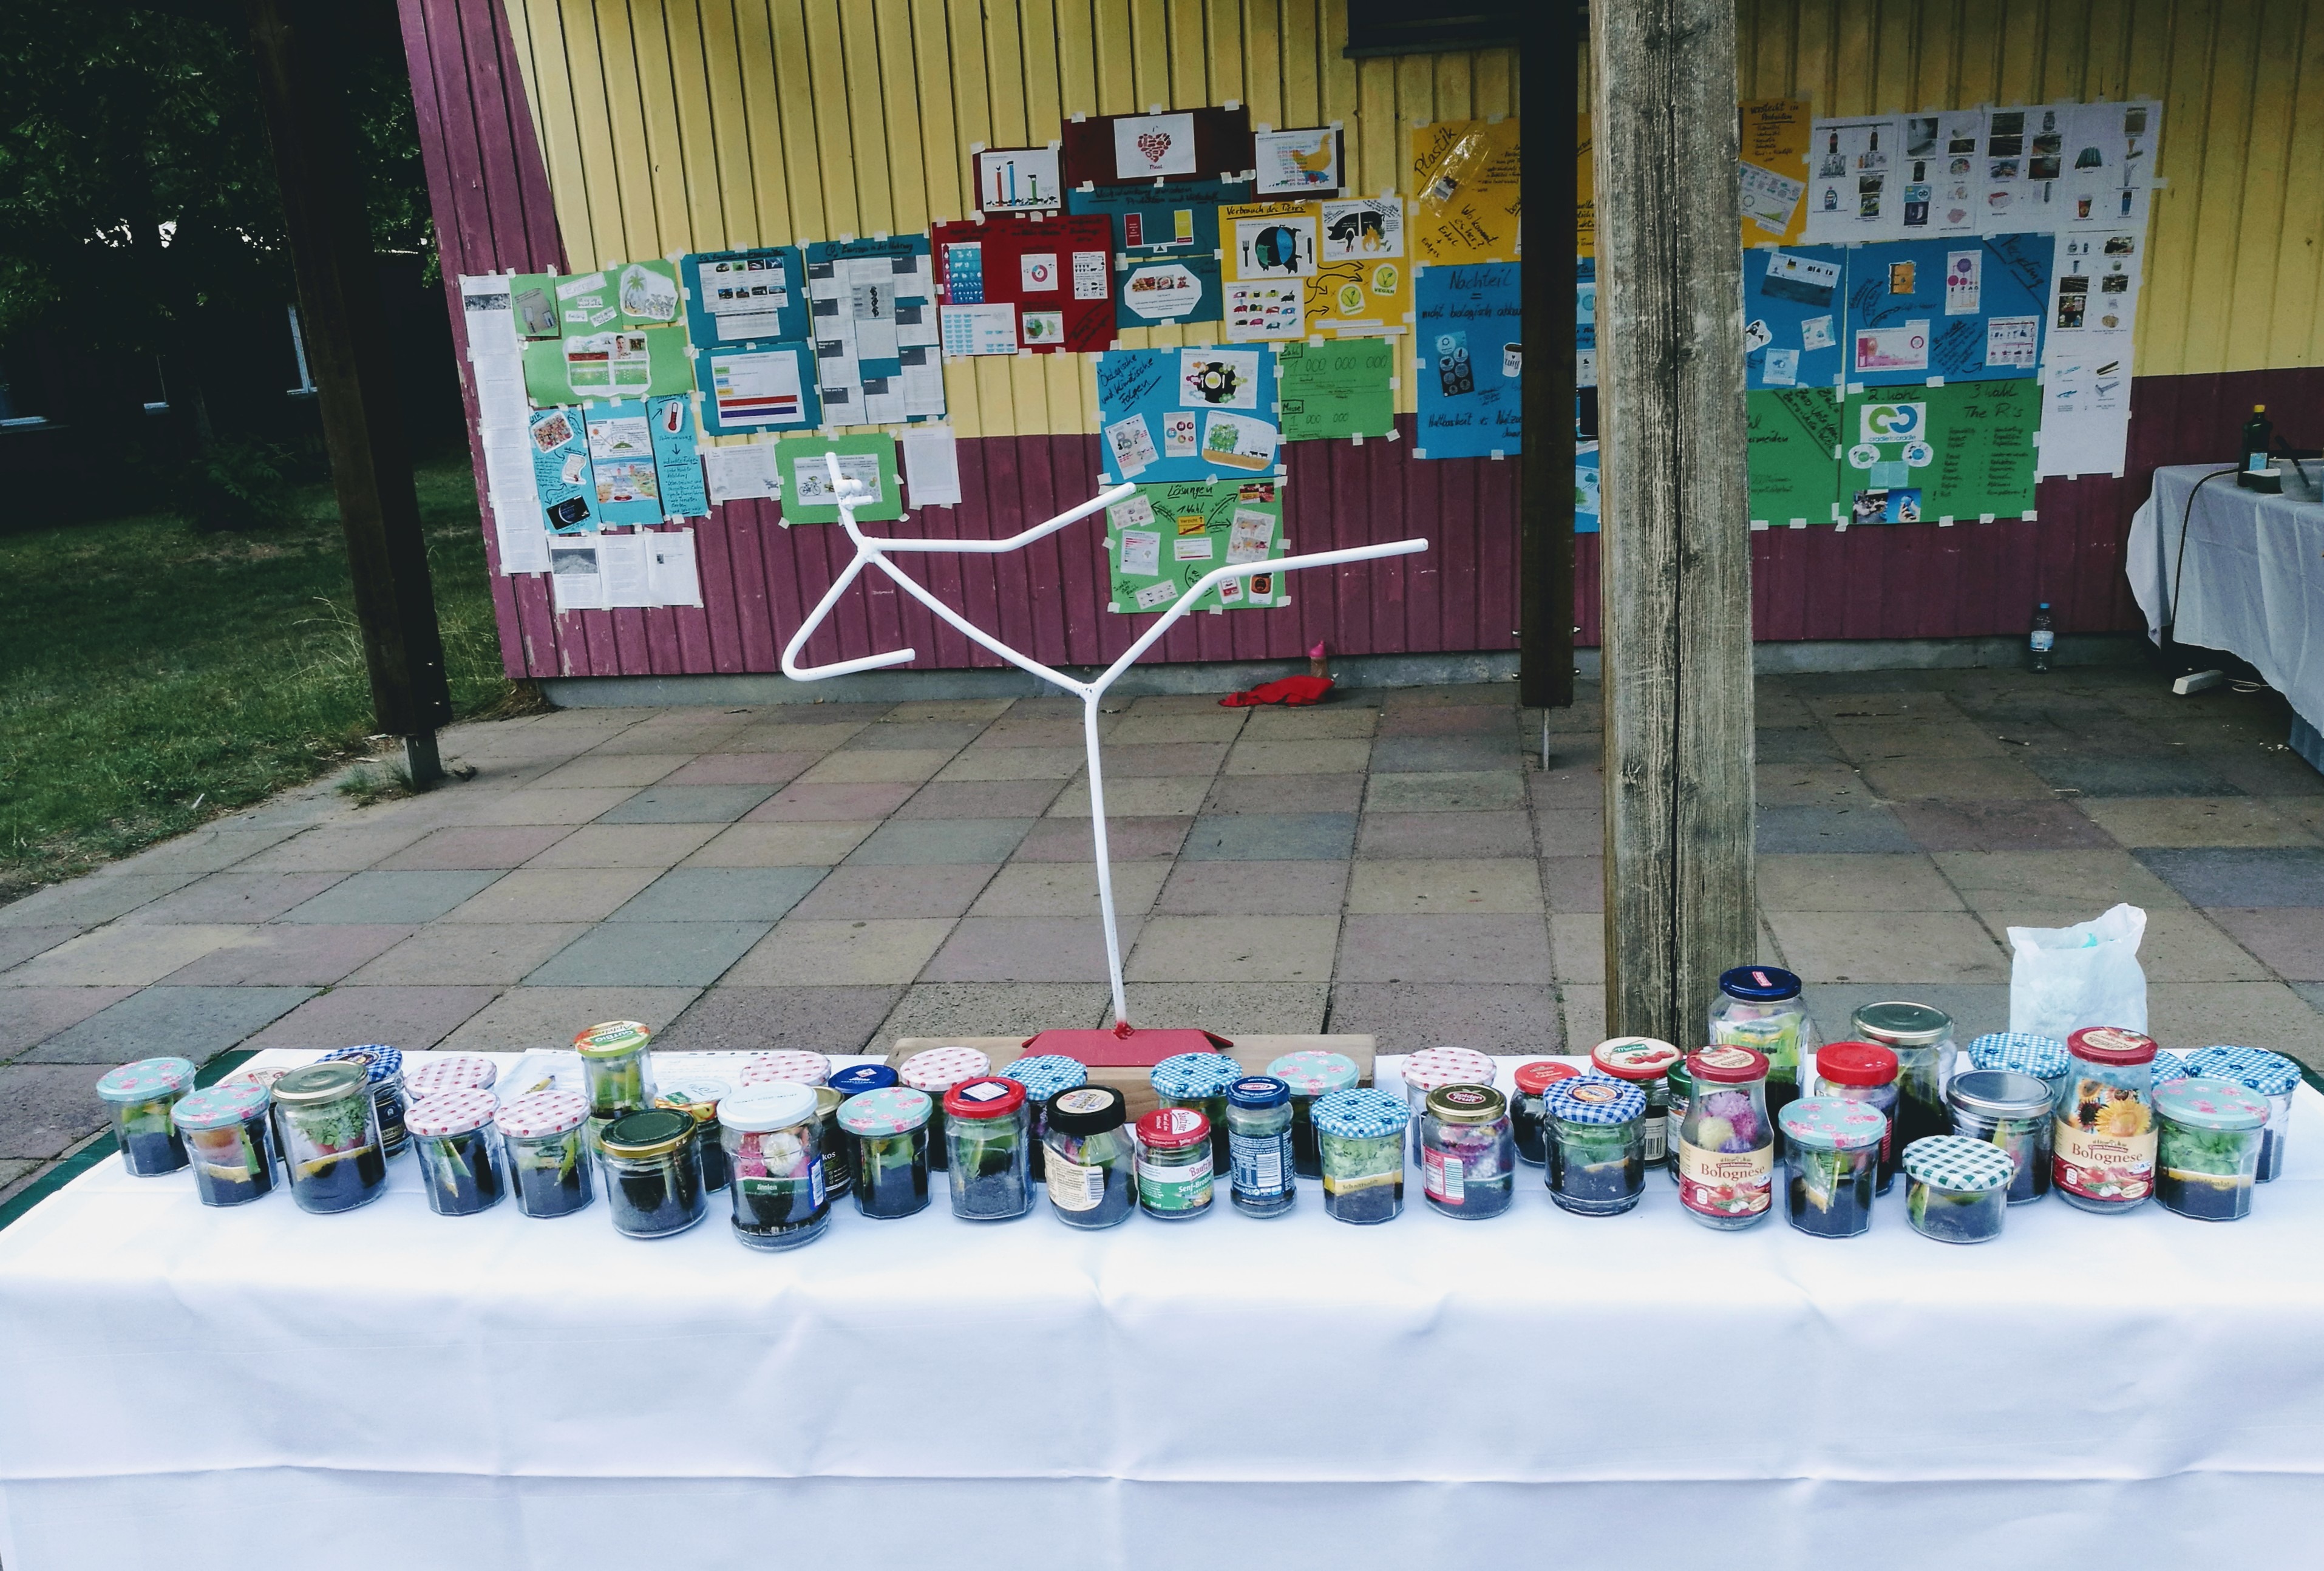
1166,245
1186,414
758,387
1855,189
1466,185
1950,308
1340,388
1019,180
873,314
560,470
1772,169
741,297
1791,438
1160,542
1467,343
1792,297
869,458
1297,164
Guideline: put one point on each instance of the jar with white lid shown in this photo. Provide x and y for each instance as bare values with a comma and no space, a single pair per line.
426,1074
459,1163
774,1150
794,1066
935,1072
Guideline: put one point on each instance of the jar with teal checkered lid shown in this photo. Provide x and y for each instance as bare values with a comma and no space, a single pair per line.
2207,1156
384,1066
1311,1072
1596,1143
1043,1076
1956,1189
2273,1076
140,1096
1200,1080
1359,1138
2021,1053
1831,1162
224,1128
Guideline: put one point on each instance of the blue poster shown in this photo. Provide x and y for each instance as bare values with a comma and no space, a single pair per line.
678,466
1468,340
560,471
627,487
1965,310
1585,488
1794,316
1187,414
756,387
732,297
1165,243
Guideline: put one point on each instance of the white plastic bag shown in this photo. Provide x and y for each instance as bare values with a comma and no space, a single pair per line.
2066,978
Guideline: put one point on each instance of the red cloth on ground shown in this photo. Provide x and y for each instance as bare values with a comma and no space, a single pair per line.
1295,691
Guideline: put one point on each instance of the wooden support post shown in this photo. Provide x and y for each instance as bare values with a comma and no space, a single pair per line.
1549,102
1682,901
297,45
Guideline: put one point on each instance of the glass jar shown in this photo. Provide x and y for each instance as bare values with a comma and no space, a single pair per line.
1597,1143
2021,1053
1263,1181
2005,1109
1759,1007
773,1146
2207,1152
1681,1093
1043,1077
384,1065
1359,1138
789,1066
653,1172
698,1096
827,1104
1468,1155
1174,1164
936,1071
1646,1063
1922,1037
1832,1163
615,1070
1726,1145
2102,1151
1199,1080
989,1128
1527,1127
2273,1076
1430,1067
887,1134
838,1153
1865,1071
327,1126
263,1078
452,1136
1092,1171
428,1074
1956,1189
140,1096
542,1140
224,1131
1311,1072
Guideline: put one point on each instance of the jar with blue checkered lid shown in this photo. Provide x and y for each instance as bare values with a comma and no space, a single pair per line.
1595,1141
2011,1111
2021,1053
1311,1073
384,1065
1360,1139
2208,1134
2273,1076
1956,1189
140,1096
1043,1076
1199,1080
1832,1163
2168,1067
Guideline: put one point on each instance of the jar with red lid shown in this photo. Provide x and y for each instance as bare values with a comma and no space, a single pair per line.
1865,1071
1726,1146
1647,1064
1467,1157
2102,1144
989,1132
1526,1114
1174,1164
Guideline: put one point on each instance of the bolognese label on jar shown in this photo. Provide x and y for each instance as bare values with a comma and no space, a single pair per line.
1721,1183
1072,1186
2105,1167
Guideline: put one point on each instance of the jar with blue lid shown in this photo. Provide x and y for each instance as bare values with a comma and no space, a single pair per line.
223,1129
2273,1076
1311,1072
1760,1008
1263,1179
384,1065
1596,1143
1359,1140
2208,1134
1043,1076
1199,1080
2021,1053
1956,1189
838,1150
1831,1162
140,1098
2168,1067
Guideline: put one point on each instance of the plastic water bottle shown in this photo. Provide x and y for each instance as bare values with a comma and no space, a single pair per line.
2042,639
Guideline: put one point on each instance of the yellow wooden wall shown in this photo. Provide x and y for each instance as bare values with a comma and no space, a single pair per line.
690,124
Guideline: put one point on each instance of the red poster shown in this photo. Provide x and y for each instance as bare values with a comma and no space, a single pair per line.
1016,282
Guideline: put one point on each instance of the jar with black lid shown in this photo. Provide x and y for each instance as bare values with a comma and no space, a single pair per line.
653,1172
1092,1171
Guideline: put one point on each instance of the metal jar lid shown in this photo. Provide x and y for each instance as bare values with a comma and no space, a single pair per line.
612,1039
1999,1093
1466,1104
642,1136
313,1084
1903,1024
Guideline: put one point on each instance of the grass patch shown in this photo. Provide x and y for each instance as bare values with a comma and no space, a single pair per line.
158,676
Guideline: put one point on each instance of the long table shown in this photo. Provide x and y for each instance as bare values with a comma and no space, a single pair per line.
390,1388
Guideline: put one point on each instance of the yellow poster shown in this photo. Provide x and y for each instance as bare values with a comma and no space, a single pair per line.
1270,254
1466,193
1773,173
1362,283
1585,191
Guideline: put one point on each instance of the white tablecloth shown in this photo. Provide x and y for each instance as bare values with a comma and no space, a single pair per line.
2253,578
388,1388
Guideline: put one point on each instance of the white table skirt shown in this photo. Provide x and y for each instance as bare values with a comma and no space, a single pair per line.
229,1389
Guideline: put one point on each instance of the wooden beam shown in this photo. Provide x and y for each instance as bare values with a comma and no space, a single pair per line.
1549,94
299,47
1680,891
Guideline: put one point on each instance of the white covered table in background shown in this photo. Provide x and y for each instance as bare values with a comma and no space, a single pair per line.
215,1390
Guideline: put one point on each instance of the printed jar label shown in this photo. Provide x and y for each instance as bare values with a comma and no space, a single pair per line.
1776,1035
1174,1189
1072,1186
783,1188
1652,1127
1261,1163
1348,1185
2103,1167
1441,1177
1725,1184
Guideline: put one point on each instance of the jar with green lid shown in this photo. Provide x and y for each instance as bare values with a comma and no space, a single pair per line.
223,1129
1043,1076
140,1096
616,1069
779,1194
1528,1123
1263,1182
1646,1063
1921,1035
1468,1155
1311,1072
2207,1152
1831,1161
2103,1136
653,1172
1199,1080
1174,1164
384,1066
989,1128
1091,1174
542,1136
1681,1092
935,1071
459,1159
2012,1111
1956,1189
888,1129
327,1127
1360,1135
698,1096
1597,1143
1760,1008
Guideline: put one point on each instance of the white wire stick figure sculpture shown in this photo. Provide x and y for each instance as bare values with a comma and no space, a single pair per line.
873,551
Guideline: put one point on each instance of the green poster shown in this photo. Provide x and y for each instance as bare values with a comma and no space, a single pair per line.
807,496
1337,388
621,363
1933,454
1161,542
1794,474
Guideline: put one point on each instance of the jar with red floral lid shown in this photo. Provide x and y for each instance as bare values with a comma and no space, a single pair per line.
935,1072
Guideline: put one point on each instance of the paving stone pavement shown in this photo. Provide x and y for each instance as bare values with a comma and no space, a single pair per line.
1401,862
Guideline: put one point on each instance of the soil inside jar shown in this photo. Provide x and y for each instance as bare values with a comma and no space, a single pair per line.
1954,1216
717,1174
461,1178
838,1174
149,1155
1306,1156
777,1207
2271,1156
1832,1201
650,1200
1118,1200
892,1177
557,1190
341,1181
1603,1183
1373,1200
989,1175
1529,1129
2204,1196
